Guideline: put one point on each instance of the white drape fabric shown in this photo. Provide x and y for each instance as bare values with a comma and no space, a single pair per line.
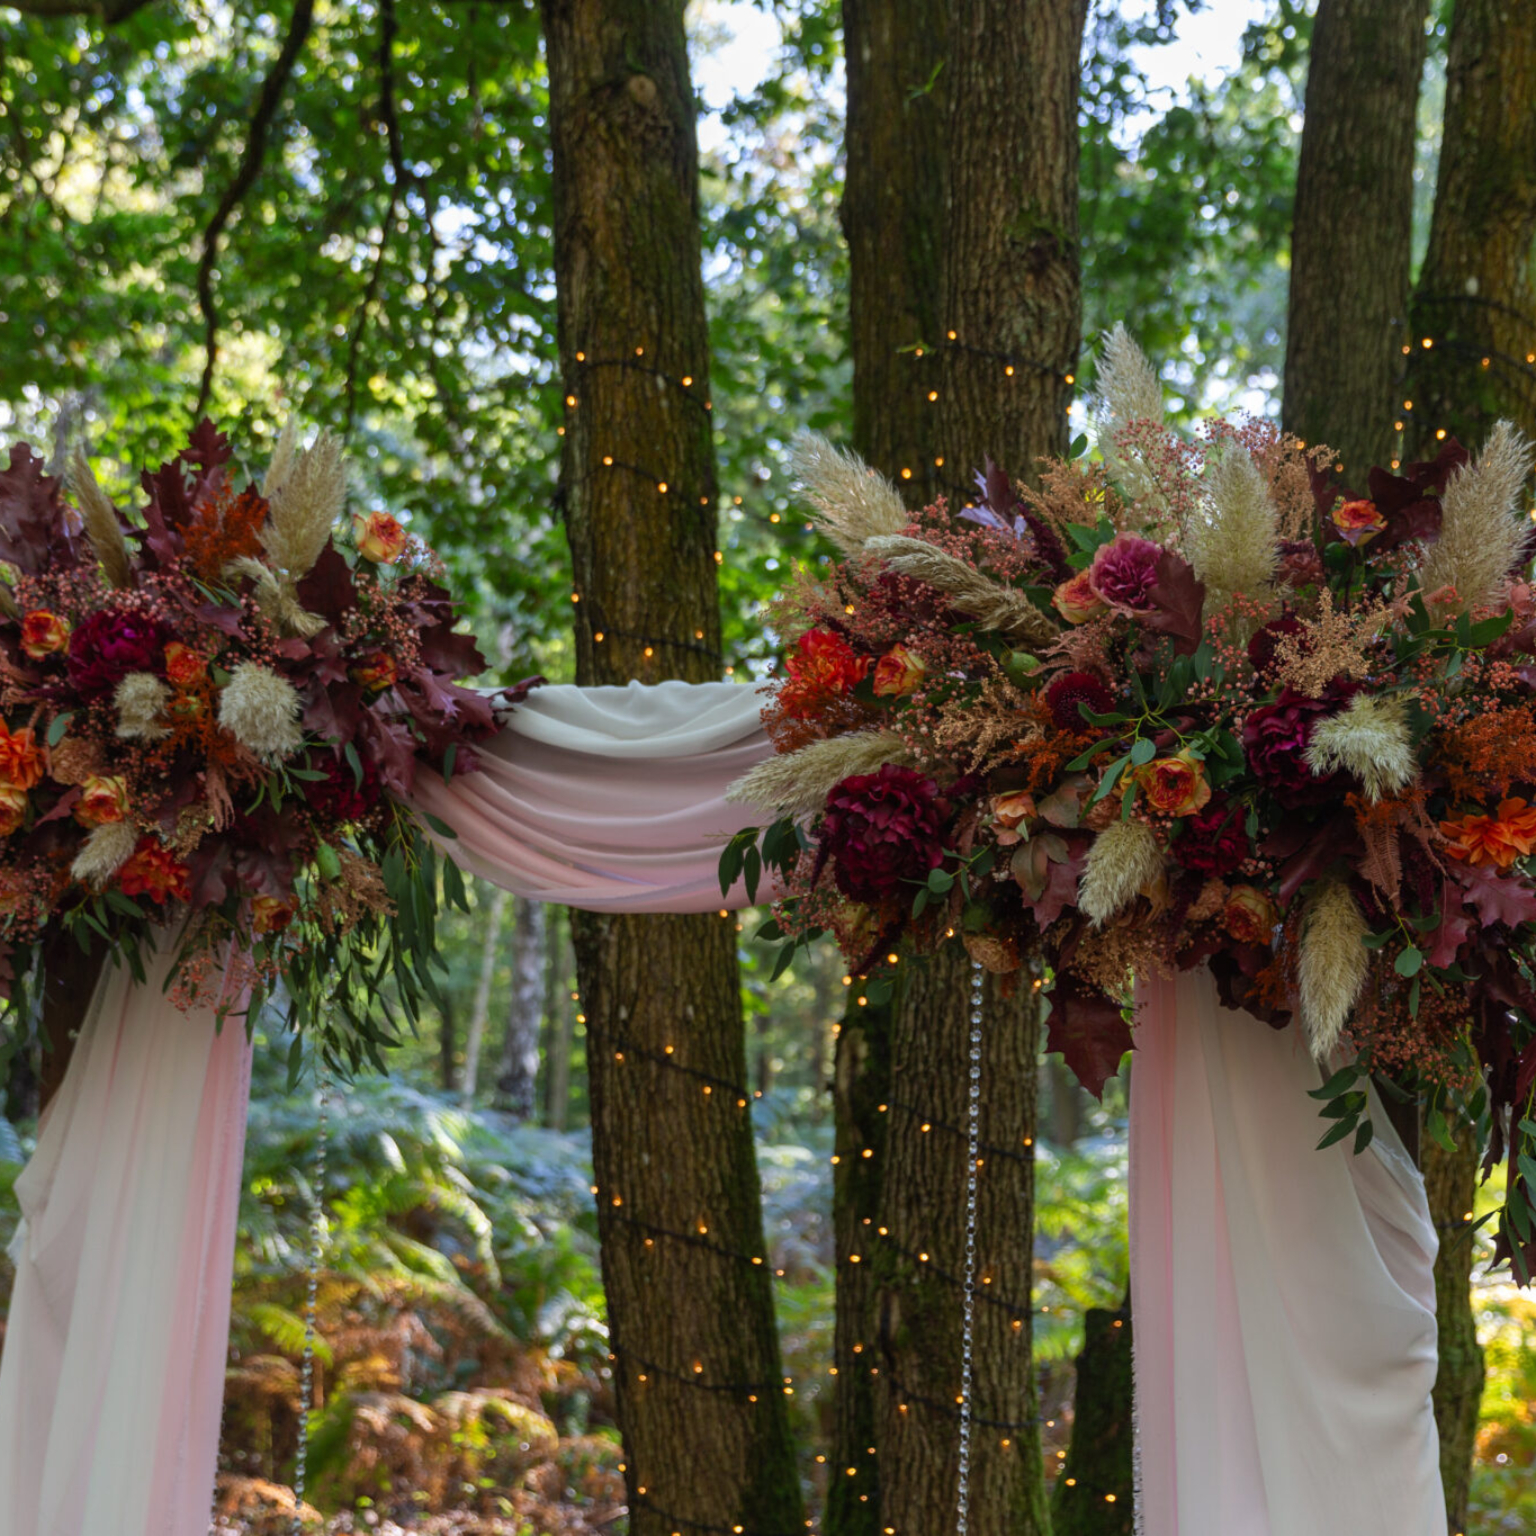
112,1380
1283,1298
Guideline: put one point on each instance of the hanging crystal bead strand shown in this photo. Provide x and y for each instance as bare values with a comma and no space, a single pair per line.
973,1148
317,1235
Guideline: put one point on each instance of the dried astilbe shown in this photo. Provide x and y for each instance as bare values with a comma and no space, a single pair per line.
1287,467
851,501
1332,966
797,783
986,731
1232,537
1369,739
1072,492
359,893
1484,532
992,605
1109,958
1333,644
101,523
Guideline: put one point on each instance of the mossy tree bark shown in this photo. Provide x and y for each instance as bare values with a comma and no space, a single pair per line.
1351,241
961,218
1476,304
700,1390
1094,1493
1476,294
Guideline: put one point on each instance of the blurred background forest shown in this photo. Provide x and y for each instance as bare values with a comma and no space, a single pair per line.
390,273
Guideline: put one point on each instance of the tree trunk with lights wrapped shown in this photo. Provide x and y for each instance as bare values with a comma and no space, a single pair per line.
1351,239
1473,361
700,1391
961,216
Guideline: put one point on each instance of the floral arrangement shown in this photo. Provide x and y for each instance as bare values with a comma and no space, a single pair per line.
211,715
1190,700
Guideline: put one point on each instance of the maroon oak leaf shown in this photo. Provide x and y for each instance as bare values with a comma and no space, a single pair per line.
34,531
1179,596
1500,897
329,590
1089,1030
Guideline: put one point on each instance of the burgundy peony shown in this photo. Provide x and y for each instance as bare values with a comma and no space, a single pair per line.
338,796
1275,739
1213,842
882,829
107,646
1262,647
1124,571
1071,689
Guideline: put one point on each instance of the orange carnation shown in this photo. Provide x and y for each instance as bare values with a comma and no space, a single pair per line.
1175,786
1500,839
154,871
21,759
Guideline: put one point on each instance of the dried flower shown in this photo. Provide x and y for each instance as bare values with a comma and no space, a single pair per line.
1332,966
261,711
850,499
102,525
105,852
43,633
141,699
796,782
1368,738
1124,859
1233,539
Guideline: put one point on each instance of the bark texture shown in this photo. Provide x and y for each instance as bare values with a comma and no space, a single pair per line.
1351,239
1095,1493
1476,296
517,1076
69,979
1476,304
700,1392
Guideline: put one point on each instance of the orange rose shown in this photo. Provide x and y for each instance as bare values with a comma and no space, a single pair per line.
1498,840
1249,915
1358,521
21,759
379,537
271,914
1175,786
43,633
1009,813
102,801
183,665
898,672
375,673
13,808
1076,601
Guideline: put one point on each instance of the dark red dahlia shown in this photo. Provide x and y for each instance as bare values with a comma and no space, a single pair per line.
1275,740
1262,647
1071,689
882,829
107,646
338,796
1214,841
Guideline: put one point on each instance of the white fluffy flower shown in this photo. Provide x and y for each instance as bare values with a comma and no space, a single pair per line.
261,711
141,699
106,850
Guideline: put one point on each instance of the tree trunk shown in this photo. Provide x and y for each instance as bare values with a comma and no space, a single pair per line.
561,1016
699,1387
517,1078
69,979
1095,1490
1476,304
469,1073
1476,297
1352,230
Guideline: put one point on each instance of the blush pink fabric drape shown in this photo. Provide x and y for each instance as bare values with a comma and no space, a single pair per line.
1283,1297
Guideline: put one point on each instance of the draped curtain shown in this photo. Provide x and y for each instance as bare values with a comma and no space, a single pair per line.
1283,1297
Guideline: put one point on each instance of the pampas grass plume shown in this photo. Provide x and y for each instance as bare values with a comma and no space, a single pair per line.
1128,391
1483,527
101,524
141,699
1368,739
851,500
261,711
104,852
797,783
1332,965
1124,858
1233,539
308,493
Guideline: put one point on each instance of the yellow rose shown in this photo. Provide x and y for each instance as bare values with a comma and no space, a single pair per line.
379,537
13,808
1249,915
102,801
1076,601
898,672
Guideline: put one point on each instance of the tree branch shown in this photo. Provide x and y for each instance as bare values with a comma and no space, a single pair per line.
250,167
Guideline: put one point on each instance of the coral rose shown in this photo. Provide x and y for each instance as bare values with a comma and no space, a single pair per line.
1174,786
13,808
882,830
1009,813
1249,915
103,799
899,672
379,537
1358,522
375,672
154,871
1076,601
271,914
1497,840
183,666
43,634
1124,571
21,759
